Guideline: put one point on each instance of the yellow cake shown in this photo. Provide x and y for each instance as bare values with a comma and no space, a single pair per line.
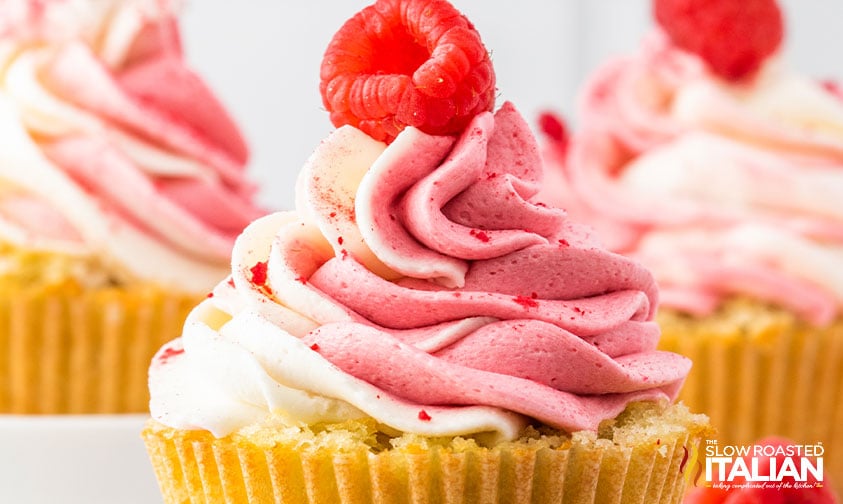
647,455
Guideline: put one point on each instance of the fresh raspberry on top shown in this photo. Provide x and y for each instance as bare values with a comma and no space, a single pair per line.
732,36
401,63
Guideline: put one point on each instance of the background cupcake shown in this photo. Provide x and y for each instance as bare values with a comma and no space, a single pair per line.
705,157
421,328
121,192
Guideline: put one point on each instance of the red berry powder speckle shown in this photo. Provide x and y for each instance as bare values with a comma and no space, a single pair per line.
480,235
259,273
526,302
424,417
168,353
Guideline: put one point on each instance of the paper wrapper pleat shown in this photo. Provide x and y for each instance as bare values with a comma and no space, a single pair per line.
67,350
195,467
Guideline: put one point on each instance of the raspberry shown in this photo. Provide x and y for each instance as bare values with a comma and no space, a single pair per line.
401,63
732,36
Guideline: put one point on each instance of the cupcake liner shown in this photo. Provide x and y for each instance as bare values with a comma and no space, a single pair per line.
68,350
761,371
292,466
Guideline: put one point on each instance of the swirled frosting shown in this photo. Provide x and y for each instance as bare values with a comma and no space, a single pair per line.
112,150
421,285
719,188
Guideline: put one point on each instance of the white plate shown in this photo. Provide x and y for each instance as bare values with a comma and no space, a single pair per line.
86,459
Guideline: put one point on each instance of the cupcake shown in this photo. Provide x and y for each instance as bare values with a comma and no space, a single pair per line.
121,193
420,329
710,161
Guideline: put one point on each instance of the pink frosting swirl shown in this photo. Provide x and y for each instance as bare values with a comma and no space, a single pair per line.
479,296
719,188
107,108
550,293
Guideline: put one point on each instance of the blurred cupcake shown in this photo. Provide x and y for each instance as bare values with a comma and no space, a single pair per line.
121,193
421,329
725,178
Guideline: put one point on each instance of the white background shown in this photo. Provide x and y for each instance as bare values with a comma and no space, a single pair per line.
262,57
